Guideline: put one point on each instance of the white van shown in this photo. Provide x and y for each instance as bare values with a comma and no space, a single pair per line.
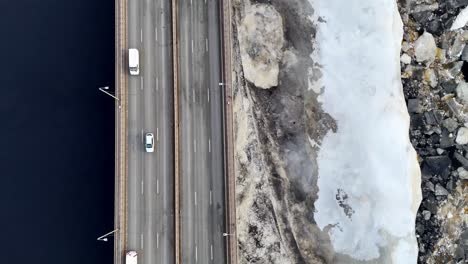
133,61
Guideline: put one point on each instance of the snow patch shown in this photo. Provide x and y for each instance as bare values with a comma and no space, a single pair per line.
368,172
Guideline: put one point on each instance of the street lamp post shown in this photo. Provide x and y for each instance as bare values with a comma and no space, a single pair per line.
104,90
104,237
227,234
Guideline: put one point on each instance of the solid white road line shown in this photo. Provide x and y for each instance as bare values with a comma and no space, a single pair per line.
211,199
141,241
157,240
195,196
209,145
211,251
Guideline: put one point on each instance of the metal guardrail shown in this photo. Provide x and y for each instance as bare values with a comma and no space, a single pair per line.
121,114
175,63
231,246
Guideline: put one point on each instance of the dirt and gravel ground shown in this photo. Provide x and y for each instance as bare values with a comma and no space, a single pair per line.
275,116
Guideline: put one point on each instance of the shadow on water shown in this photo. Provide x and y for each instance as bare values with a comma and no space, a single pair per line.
57,131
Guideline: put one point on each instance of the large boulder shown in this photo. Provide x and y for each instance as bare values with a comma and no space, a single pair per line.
261,40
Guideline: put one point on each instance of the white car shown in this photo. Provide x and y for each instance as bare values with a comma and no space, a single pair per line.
149,142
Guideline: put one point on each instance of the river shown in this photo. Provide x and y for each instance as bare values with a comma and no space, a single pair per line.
57,131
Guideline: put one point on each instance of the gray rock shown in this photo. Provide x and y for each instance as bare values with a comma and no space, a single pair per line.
440,151
420,229
462,136
465,148
430,186
414,106
425,48
422,16
452,4
439,165
451,124
430,78
449,86
462,173
453,70
462,92
417,121
446,140
430,203
464,55
456,49
459,253
421,245
461,159
405,58
450,185
464,237
448,22
433,117
405,46
456,108
426,215
426,173
440,191
423,8
415,132
434,27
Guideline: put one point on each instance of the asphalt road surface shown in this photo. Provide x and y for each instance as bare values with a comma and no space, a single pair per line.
150,109
201,142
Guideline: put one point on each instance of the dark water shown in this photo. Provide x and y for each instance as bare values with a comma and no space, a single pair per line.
57,131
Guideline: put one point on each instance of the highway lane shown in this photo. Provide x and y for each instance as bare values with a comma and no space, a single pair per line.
201,131
151,175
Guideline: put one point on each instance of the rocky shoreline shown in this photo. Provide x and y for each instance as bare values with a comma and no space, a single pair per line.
434,64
